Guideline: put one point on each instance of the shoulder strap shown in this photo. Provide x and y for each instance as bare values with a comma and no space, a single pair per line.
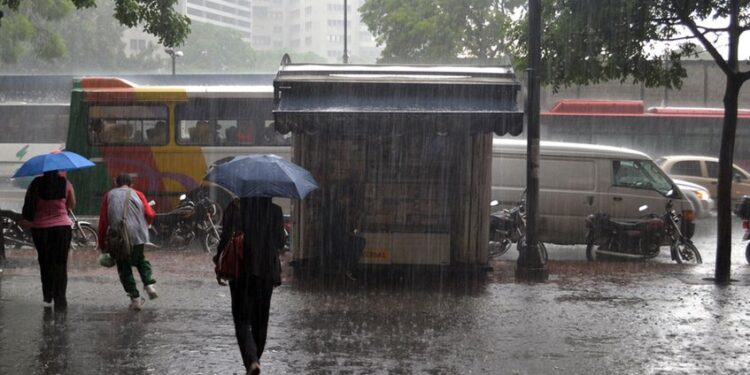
125,205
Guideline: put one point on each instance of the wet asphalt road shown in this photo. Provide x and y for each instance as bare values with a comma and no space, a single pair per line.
603,317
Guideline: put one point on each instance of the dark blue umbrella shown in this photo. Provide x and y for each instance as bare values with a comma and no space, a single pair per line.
55,161
262,176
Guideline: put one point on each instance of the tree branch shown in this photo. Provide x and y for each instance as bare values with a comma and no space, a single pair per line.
744,76
688,22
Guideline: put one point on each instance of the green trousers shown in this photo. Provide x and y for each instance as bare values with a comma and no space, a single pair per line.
125,270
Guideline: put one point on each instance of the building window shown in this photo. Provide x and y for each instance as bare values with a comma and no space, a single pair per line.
308,41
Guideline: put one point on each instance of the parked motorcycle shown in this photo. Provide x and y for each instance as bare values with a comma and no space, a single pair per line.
743,211
640,239
83,234
14,234
508,226
287,234
190,220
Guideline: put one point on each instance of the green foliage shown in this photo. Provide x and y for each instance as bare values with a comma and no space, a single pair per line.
433,31
202,53
156,17
85,41
588,41
16,32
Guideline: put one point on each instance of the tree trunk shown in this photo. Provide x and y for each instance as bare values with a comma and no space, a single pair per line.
724,203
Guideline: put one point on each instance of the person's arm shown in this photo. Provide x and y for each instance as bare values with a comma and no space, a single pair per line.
148,211
227,229
70,196
28,211
103,222
278,226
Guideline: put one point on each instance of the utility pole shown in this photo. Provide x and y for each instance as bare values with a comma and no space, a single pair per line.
530,265
346,52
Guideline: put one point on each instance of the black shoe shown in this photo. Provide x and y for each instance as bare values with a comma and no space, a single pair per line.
254,369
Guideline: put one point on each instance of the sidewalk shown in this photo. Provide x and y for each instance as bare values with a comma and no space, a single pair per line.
590,318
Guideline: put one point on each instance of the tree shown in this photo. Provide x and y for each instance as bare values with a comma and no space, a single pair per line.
586,41
439,30
234,54
90,43
202,52
19,20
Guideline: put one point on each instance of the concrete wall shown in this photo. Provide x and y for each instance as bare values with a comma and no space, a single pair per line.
703,87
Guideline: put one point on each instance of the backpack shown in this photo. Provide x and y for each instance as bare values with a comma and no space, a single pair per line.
118,241
118,237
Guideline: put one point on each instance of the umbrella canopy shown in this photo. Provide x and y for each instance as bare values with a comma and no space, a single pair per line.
262,176
55,161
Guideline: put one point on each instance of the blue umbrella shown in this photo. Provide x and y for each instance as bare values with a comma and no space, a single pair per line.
262,176
55,161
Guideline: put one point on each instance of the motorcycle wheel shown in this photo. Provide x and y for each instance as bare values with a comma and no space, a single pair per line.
18,237
747,253
686,252
210,243
590,250
540,245
85,237
498,248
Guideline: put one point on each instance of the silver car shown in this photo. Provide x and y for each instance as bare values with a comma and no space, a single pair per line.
698,196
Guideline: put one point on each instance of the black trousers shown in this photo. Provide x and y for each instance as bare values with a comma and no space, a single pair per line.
251,303
52,246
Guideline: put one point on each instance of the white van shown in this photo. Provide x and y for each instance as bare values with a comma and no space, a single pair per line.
576,180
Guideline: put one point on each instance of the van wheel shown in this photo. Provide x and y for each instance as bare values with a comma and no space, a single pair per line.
747,253
590,250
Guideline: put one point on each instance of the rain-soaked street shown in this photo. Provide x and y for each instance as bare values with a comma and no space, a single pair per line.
603,317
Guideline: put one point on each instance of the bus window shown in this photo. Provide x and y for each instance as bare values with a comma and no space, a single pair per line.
158,134
126,125
227,122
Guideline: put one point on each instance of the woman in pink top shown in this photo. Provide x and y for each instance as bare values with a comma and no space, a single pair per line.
46,205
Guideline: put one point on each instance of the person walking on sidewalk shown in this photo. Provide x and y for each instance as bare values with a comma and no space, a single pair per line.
263,224
138,216
45,208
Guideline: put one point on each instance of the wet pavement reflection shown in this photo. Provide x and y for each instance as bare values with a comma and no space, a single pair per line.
602,317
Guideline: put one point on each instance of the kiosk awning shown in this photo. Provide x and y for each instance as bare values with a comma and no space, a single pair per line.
478,99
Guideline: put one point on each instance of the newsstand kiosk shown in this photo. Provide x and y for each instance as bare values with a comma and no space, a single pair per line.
403,158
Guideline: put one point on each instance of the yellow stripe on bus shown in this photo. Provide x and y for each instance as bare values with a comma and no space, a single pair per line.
161,94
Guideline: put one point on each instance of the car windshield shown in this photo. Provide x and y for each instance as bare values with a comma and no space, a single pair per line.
641,174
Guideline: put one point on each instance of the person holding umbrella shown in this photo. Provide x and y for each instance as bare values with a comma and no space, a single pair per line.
45,208
254,180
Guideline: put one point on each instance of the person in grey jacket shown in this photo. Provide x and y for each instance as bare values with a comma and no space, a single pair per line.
138,216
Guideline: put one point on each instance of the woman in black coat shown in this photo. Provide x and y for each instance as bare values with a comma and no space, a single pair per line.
263,224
